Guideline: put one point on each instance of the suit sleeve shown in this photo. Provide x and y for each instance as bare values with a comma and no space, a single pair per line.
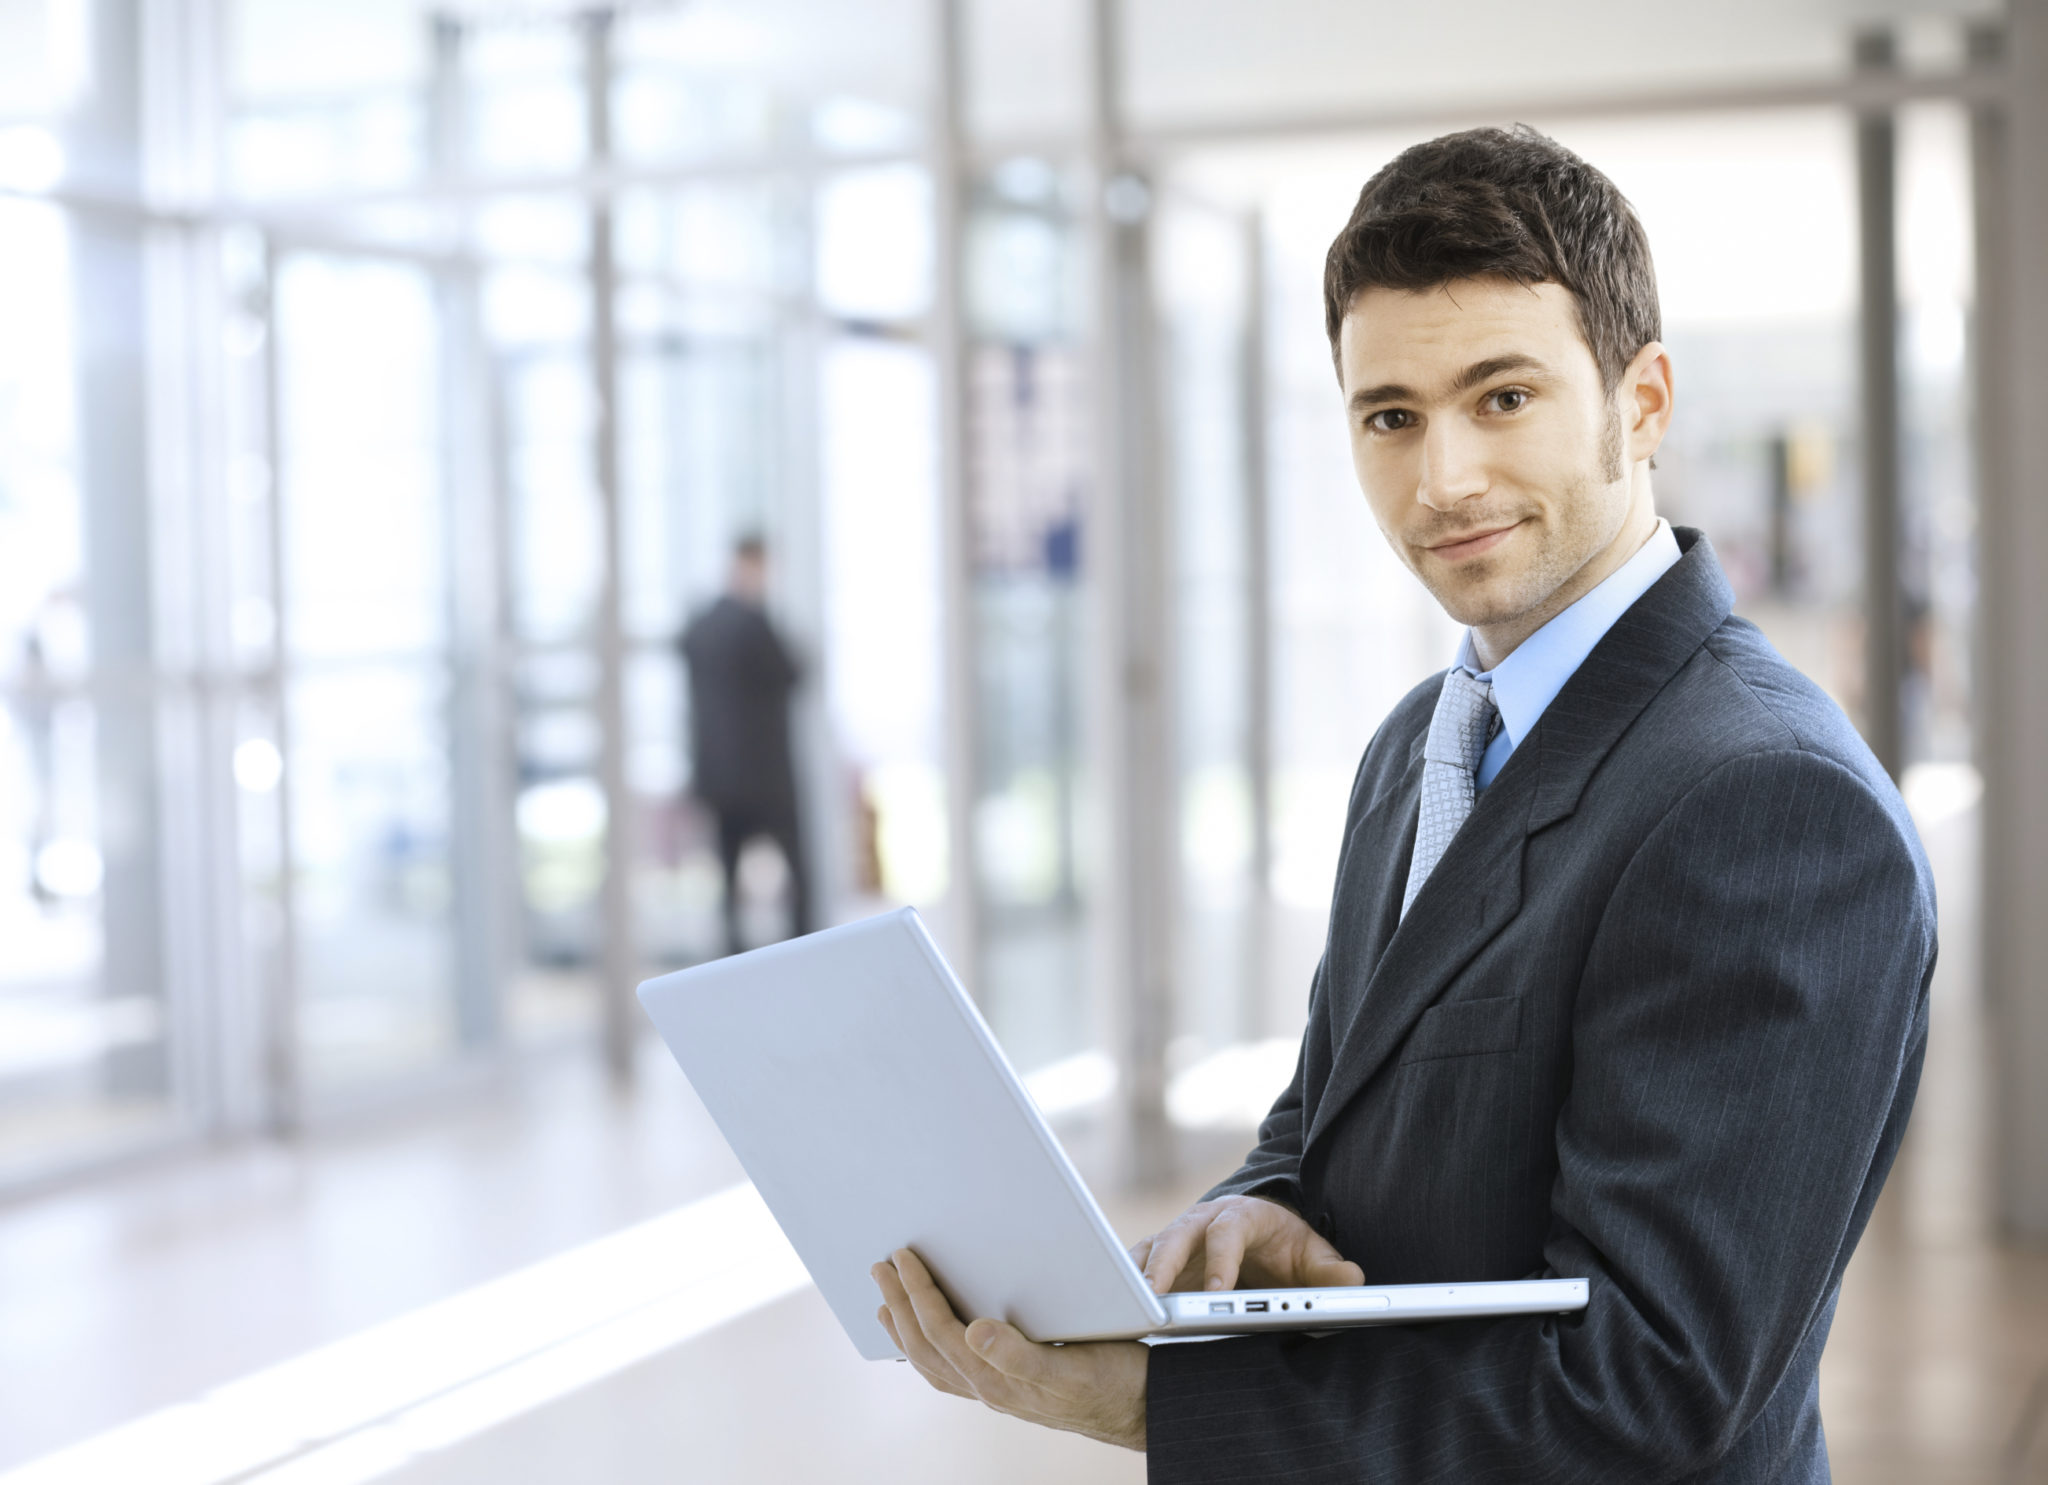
1746,1039
779,662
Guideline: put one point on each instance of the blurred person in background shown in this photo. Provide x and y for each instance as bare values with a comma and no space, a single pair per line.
1627,966
35,709
742,675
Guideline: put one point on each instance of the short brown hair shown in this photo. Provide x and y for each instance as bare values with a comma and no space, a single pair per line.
1501,203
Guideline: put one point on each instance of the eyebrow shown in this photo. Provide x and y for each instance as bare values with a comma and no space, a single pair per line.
1465,381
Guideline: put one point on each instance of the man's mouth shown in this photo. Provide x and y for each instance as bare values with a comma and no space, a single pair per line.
1471,544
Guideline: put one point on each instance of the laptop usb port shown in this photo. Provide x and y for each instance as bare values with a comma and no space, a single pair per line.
1257,1306
1222,1307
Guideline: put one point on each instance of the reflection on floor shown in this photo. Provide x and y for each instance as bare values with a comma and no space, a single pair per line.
782,1396
61,1038
139,1292
1938,1366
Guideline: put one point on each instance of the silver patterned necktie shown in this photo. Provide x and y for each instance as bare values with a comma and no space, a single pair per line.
1458,733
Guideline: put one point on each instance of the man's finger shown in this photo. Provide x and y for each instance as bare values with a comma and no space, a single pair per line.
1169,1252
1225,1240
1005,1348
929,1365
909,1334
1140,1251
1321,1263
935,1317
942,1384
902,1320
1336,1273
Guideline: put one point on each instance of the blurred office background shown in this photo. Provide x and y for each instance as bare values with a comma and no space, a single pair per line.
383,384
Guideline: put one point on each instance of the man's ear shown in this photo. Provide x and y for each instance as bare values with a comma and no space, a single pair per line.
1646,392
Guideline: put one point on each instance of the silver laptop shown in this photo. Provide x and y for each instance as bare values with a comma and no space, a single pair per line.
873,1109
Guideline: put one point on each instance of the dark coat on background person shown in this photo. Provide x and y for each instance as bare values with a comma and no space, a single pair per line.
1656,1019
741,678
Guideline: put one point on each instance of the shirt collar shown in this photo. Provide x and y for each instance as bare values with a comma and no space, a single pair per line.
1527,681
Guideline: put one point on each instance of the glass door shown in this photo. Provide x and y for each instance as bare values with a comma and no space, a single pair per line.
368,548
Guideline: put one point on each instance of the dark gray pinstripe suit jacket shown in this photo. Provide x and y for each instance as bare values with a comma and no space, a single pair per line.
1656,1019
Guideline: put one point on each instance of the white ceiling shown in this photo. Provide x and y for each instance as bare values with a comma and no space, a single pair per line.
1191,60
1185,61
1204,61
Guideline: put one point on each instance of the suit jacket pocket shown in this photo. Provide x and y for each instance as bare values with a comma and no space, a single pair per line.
1465,1028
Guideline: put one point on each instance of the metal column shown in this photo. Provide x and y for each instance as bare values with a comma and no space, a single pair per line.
1129,556
1258,545
2010,149
481,840
282,1069
104,145
949,345
618,962
1884,623
208,986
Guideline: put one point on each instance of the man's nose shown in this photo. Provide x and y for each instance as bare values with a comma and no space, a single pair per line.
1453,468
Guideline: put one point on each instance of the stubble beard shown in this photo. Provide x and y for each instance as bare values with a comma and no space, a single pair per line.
1565,547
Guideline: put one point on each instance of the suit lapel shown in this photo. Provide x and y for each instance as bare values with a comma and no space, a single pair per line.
1473,893
1633,662
1375,871
1476,889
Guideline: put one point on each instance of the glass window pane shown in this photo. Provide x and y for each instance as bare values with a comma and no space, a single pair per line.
874,243
327,97
698,430
559,810
524,82
1028,468
678,886
558,533
366,602
41,535
719,77
1201,268
45,57
82,1036
713,240
360,445
369,819
881,626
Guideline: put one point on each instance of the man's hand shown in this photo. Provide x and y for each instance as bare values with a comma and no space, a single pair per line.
1096,1388
1241,1241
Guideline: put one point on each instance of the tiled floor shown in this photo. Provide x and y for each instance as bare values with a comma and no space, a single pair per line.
139,1291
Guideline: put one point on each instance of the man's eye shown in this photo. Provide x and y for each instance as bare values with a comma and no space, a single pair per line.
1392,420
1509,399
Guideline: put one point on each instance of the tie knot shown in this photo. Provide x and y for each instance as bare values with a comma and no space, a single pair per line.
1463,722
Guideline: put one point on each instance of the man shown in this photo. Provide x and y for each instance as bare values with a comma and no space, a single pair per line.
1627,966
741,677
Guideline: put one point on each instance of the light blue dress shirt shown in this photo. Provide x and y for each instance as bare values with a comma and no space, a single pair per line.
1530,678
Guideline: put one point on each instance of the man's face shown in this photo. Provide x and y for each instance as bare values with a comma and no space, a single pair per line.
750,576
1491,457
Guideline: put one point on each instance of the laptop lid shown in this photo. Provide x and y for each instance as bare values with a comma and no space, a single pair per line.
867,1099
